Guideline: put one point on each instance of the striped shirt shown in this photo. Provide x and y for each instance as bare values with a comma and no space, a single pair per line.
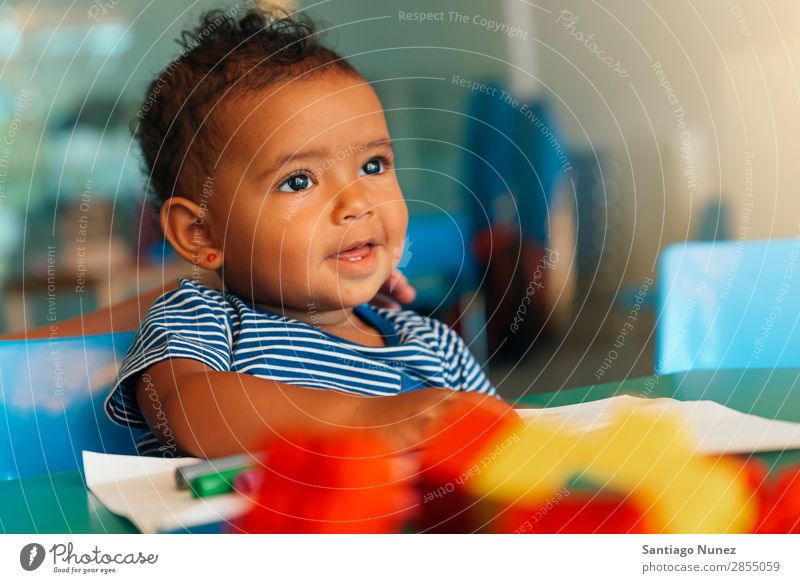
223,332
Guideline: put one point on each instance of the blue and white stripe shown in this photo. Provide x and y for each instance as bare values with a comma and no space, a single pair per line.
223,332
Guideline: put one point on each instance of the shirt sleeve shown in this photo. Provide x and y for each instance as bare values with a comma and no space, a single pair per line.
188,322
463,371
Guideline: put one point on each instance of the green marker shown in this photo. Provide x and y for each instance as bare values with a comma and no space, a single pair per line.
215,483
185,474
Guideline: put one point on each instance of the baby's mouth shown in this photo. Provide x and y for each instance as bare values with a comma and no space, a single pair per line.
357,257
356,253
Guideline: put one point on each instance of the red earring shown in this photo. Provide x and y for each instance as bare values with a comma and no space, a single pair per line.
211,256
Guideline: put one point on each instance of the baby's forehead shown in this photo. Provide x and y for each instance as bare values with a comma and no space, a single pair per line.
323,110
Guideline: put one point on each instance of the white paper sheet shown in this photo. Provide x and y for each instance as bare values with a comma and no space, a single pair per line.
143,490
717,429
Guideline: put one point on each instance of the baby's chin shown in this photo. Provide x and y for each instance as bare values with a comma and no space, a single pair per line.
349,293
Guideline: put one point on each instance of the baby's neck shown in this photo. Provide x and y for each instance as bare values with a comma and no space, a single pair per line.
314,316
342,323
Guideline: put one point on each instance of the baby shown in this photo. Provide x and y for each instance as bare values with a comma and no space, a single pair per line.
271,164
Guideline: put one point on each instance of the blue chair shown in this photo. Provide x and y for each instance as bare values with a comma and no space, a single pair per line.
730,304
437,259
439,264
51,403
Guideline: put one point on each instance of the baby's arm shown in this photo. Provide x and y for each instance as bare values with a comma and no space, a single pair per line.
211,414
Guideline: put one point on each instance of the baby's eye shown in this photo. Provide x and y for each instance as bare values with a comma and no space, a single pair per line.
295,183
374,166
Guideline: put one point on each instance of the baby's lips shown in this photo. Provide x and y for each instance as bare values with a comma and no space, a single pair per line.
355,252
356,247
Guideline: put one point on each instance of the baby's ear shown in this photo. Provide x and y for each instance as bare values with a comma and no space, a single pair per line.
186,227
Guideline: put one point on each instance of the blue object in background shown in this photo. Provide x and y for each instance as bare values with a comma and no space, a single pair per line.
513,148
437,259
51,403
439,263
732,304
539,173
714,222
490,132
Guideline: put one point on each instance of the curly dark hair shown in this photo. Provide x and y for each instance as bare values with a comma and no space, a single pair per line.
222,57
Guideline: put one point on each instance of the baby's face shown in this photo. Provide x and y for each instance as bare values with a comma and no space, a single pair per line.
313,215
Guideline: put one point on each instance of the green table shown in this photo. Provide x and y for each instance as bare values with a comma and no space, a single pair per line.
55,503
60,503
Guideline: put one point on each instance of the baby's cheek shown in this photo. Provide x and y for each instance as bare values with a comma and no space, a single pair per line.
263,248
396,229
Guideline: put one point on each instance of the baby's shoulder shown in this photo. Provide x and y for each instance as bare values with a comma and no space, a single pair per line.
190,299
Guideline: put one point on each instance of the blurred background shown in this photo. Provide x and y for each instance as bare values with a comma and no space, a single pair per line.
548,152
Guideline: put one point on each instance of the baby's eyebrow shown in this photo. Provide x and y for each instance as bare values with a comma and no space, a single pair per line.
286,158
383,142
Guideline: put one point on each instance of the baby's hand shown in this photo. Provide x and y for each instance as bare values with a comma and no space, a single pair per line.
410,418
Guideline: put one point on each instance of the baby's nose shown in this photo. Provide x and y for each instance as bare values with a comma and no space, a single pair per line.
352,204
